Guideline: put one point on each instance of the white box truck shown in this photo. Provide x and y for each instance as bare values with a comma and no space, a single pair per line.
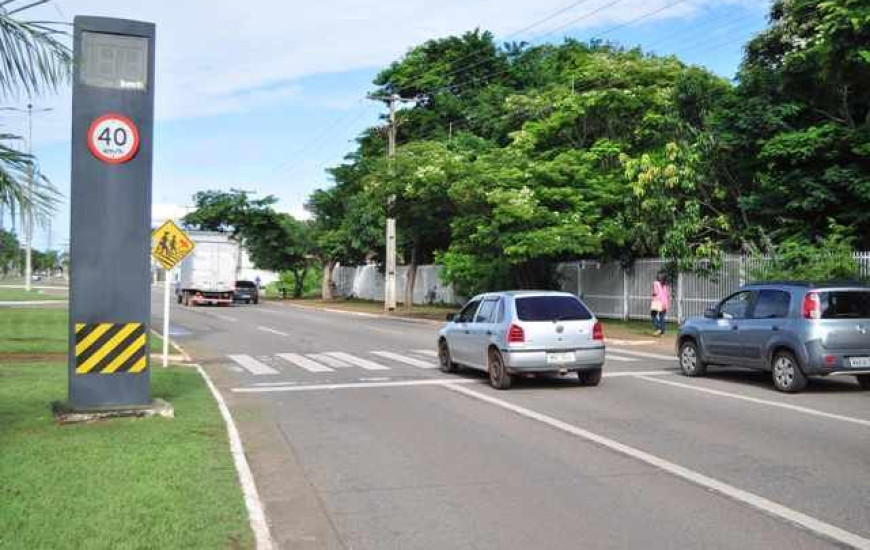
208,274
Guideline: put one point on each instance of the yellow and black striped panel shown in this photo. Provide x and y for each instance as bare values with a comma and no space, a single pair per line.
107,348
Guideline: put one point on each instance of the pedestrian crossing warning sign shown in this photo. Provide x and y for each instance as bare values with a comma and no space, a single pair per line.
171,245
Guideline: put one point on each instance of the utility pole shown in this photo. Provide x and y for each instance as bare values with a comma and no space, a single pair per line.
390,260
390,282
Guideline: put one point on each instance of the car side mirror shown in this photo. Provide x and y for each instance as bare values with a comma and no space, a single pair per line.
451,317
711,312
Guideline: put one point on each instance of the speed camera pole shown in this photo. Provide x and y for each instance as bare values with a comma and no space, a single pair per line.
110,227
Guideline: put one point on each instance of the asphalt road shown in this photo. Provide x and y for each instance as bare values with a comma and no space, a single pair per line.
357,440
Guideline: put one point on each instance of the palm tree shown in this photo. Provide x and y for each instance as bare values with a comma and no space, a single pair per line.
33,60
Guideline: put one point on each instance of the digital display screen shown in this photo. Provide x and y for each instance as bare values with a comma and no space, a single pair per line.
114,61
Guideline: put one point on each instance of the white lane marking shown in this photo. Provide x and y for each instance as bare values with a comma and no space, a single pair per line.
778,404
611,357
273,331
407,360
426,352
252,365
329,361
646,355
357,361
304,362
222,317
639,373
375,379
766,506
356,385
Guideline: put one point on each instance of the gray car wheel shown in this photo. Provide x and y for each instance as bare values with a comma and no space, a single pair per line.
499,377
445,360
690,361
863,381
787,374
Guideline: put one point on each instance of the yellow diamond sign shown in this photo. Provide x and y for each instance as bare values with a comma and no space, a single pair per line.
171,245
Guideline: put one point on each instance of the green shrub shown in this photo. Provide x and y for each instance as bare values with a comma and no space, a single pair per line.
830,258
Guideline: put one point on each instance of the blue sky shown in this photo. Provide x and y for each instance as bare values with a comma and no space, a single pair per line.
264,96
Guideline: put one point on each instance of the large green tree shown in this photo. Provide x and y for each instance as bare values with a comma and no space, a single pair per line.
798,127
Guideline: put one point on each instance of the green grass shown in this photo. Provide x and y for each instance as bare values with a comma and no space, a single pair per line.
44,330
21,295
115,484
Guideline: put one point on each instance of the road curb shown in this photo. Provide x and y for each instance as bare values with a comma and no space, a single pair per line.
256,512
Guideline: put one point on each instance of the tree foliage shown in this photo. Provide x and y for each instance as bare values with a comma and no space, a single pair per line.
514,157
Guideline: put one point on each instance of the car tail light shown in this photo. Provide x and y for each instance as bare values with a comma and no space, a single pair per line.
830,360
812,306
516,334
598,331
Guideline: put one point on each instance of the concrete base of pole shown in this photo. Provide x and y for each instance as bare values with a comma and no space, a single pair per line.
65,414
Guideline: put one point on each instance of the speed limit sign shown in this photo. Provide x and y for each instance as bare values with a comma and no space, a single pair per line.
113,138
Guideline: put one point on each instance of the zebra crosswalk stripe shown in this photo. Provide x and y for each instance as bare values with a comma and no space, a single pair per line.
407,360
426,352
304,362
329,361
357,361
252,365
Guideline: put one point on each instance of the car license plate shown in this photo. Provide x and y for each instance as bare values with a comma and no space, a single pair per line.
560,358
859,362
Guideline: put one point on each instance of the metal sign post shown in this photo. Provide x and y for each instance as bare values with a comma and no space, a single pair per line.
171,245
110,287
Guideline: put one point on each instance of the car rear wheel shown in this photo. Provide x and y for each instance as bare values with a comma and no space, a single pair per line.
787,374
863,381
445,360
690,361
499,377
589,377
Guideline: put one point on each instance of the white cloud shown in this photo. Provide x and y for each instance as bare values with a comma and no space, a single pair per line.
161,212
229,57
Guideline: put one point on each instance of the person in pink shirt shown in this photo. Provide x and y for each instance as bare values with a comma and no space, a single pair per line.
661,303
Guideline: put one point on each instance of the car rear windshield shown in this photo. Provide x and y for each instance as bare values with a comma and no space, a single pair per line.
845,304
552,308
245,284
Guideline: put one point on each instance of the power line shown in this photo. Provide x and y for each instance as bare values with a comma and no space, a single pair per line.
641,18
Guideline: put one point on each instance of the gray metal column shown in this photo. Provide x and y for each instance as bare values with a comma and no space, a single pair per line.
112,129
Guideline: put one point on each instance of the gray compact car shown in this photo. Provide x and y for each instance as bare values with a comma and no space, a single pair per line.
524,332
793,330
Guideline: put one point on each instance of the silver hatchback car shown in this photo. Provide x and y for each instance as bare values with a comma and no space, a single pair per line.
524,332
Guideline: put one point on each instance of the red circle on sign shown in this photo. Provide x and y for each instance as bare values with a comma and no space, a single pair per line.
105,120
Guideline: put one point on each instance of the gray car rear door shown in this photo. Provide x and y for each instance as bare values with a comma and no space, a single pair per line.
459,333
481,331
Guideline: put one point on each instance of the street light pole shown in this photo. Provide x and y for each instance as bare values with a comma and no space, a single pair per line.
28,226
27,209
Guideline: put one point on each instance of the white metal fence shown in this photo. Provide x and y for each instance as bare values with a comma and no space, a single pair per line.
615,292
612,291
